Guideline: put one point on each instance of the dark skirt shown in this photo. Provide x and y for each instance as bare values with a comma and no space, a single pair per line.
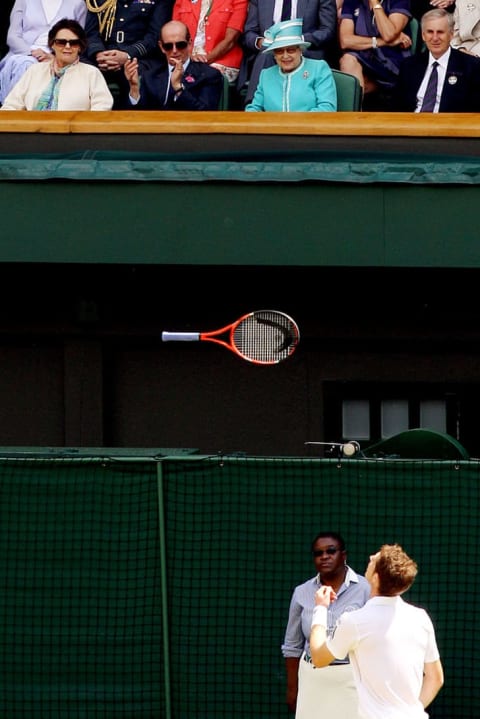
381,65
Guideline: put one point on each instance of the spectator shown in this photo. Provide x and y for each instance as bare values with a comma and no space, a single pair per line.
295,83
391,644
5,10
332,689
216,27
420,7
27,36
319,30
373,42
119,31
466,31
455,74
183,84
63,83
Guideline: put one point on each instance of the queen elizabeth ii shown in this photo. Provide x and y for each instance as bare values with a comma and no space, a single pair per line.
295,83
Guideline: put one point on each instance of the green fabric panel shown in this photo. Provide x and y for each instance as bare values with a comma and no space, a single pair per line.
314,166
239,532
81,597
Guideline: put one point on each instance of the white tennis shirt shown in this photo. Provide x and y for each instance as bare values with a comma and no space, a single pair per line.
388,641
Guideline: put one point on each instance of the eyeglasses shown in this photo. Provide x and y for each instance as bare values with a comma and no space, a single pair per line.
329,550
63,42
288,50
180,45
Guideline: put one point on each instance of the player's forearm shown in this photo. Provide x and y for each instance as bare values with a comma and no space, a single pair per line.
321,657
432,682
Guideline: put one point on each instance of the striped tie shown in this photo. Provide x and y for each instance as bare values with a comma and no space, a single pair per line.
430,97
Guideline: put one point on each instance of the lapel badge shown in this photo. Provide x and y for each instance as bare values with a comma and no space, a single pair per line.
452,80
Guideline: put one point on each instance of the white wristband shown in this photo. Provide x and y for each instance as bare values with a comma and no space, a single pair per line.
319,616
374,43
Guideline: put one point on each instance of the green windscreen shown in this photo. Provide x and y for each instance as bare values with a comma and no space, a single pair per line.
80,596
148,589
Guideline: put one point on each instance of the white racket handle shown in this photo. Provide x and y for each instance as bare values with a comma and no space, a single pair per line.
180,336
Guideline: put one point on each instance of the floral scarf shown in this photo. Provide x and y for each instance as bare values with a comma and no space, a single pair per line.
48,100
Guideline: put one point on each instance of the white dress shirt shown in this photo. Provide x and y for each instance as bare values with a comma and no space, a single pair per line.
277,12
442,71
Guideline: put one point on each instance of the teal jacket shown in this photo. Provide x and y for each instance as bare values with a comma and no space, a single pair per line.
308,88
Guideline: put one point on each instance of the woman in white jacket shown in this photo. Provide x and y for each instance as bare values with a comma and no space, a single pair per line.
27,37
62,83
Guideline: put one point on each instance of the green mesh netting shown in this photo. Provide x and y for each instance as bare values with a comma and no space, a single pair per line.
161,588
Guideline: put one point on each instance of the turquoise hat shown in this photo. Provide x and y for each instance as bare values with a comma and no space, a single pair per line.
284,34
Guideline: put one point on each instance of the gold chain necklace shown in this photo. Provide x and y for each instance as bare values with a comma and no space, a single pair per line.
106,15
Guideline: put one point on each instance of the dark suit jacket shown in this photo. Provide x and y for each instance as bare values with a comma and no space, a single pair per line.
319,28
135,29
203,89
461,89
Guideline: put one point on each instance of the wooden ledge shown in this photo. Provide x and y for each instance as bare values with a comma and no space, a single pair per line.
465,125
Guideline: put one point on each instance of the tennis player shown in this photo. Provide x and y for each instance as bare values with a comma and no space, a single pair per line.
391,644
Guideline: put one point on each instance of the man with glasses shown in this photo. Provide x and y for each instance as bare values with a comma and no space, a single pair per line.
391,643
183,84
328,692
118,31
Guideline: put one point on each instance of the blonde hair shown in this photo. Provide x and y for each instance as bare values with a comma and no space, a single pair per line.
395,569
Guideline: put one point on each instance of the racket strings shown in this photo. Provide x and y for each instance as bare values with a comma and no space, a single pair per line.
267,337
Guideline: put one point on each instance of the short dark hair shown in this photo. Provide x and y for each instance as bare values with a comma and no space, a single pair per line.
68,24
334,535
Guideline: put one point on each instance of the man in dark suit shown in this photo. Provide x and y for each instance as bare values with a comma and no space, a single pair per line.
457,73
118,31
183,84
319,29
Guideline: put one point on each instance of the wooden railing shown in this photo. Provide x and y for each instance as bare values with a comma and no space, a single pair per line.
466,125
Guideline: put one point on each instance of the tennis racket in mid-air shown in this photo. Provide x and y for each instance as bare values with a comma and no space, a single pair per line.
261,337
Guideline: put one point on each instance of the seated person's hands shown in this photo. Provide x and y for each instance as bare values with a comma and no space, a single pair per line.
177,75
199,56
40,54
112,60
131,73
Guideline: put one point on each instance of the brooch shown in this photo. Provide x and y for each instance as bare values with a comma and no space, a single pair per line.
189,78
305,74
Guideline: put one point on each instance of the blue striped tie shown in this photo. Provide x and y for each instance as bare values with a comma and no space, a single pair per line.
430,97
